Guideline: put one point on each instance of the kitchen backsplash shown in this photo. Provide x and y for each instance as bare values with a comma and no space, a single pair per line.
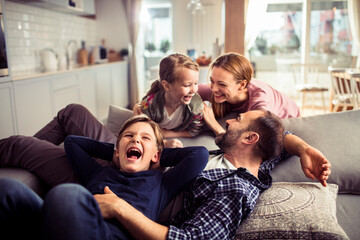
31,29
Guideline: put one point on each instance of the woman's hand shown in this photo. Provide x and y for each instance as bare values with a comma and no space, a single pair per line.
210,120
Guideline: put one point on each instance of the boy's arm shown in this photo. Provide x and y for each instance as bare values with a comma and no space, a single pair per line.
313,162
80,150
188,162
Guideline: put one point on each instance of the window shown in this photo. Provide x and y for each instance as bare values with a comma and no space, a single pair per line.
157,27
280,40
155,38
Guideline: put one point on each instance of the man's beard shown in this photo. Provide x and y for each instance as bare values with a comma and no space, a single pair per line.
227,140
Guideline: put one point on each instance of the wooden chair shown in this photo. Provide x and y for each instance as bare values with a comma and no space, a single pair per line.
306,78
344,89
354,76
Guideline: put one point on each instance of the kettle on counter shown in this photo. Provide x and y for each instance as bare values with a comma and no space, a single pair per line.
49,60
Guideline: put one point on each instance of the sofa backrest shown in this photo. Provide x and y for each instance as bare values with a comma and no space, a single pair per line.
336,135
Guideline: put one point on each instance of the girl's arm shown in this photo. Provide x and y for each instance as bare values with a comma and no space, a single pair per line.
172,134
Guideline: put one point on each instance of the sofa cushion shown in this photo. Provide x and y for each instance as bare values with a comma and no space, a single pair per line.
28,178
116,118
294,211
348,214
336,135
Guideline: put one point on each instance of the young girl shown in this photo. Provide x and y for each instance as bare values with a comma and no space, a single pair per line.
172,101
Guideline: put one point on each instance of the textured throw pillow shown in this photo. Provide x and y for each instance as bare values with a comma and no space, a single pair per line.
294,211
116,118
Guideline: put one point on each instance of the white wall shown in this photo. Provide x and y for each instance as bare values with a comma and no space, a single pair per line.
111,24
30,29
196,31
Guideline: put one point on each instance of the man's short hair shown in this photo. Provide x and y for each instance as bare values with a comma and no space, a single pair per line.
271,131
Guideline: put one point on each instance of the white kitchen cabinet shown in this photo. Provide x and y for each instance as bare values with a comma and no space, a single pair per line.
112,87
33,105
87,86
89,7
82,7
103,91
38,99
7,119
120,84
64,90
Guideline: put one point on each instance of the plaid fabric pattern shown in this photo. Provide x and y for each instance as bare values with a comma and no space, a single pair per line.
218,201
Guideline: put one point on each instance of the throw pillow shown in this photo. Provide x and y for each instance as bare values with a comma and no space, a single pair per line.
294,211
116,118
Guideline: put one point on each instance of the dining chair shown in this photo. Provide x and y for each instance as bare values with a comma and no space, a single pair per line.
306,79
354,76
344,89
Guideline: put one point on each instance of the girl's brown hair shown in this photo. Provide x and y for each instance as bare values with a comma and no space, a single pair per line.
169,69
240,67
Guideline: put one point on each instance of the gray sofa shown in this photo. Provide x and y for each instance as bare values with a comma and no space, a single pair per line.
295,207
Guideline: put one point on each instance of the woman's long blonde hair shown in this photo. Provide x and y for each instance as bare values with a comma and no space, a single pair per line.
169,69
240,67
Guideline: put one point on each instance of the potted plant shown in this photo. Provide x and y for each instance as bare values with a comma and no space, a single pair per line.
150,47
164,46
124,53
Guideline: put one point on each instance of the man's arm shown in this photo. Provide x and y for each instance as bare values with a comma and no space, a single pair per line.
313,162
215,219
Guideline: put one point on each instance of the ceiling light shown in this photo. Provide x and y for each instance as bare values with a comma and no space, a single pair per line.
195,6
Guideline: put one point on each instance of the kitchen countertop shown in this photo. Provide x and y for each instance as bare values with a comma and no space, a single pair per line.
23,75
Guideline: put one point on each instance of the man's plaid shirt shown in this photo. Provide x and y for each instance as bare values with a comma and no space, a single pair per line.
218,200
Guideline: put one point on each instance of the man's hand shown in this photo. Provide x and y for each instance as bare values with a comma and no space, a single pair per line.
109,203
315,165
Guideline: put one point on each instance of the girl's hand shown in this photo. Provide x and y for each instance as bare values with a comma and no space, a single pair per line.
173,143
137,109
